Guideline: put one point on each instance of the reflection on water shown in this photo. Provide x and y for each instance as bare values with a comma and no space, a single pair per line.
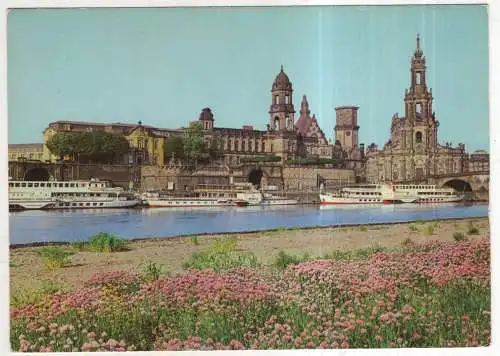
72,225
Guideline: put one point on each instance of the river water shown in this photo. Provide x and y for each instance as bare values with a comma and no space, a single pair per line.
77,225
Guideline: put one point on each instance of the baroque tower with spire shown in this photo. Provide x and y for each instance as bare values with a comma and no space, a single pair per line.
281,111
413,153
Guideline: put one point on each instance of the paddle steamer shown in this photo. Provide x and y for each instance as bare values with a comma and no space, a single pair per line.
387,193
35,195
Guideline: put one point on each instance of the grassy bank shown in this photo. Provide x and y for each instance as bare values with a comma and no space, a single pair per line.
415,285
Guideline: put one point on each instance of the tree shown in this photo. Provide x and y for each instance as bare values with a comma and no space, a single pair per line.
101,147
115,145
194,145
215,150
174,146
62,144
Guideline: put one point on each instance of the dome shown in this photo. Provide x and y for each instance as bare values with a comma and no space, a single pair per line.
206,114
282,82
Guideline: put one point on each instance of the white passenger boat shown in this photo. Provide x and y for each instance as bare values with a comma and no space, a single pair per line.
429,193
239,194
271,199
207,196
383,193
34,195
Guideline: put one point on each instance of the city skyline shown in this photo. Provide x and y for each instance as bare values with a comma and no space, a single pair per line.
134,76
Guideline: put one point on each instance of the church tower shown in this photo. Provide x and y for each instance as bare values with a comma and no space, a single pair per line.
281,111
416,135
418,100
347,128
418,107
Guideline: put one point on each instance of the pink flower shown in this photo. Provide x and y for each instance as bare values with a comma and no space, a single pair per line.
407,309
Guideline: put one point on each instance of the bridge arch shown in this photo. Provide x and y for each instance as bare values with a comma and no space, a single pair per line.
458,184
255,176
37,174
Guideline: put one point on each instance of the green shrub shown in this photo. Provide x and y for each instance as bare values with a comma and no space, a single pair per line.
429,230
35,296
459,236
102,242
413,227
54,257
151,270
363,228
311,161
194,240
359,254
220,256
219,261
473,230
223,244
284,259
260,159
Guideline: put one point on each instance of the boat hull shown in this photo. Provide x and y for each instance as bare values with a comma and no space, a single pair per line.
110,204
330,200
280,202
439,200
181,203
30,205
52,205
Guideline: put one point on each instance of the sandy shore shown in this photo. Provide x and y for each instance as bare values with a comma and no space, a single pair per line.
28,272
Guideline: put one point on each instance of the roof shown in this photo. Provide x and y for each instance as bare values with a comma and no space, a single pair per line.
26,145
302,124
347,107
127,128
282,82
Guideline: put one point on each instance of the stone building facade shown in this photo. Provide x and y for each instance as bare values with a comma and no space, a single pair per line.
413,153
26,151
478,161
282,136
146,142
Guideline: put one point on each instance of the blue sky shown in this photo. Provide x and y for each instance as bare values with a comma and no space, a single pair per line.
162,66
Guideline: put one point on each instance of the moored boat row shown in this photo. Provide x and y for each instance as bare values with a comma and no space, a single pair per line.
97,194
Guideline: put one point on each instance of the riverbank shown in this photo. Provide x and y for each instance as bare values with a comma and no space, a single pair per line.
27,269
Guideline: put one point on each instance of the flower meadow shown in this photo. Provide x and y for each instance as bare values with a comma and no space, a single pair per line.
423,295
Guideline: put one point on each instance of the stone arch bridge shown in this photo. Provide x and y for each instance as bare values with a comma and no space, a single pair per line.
477,183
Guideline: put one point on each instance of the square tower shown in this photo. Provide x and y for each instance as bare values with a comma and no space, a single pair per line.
346,128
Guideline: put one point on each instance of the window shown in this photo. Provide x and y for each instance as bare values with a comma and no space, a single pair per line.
419,108
418,137
348,133
276,99
287,99
418,78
